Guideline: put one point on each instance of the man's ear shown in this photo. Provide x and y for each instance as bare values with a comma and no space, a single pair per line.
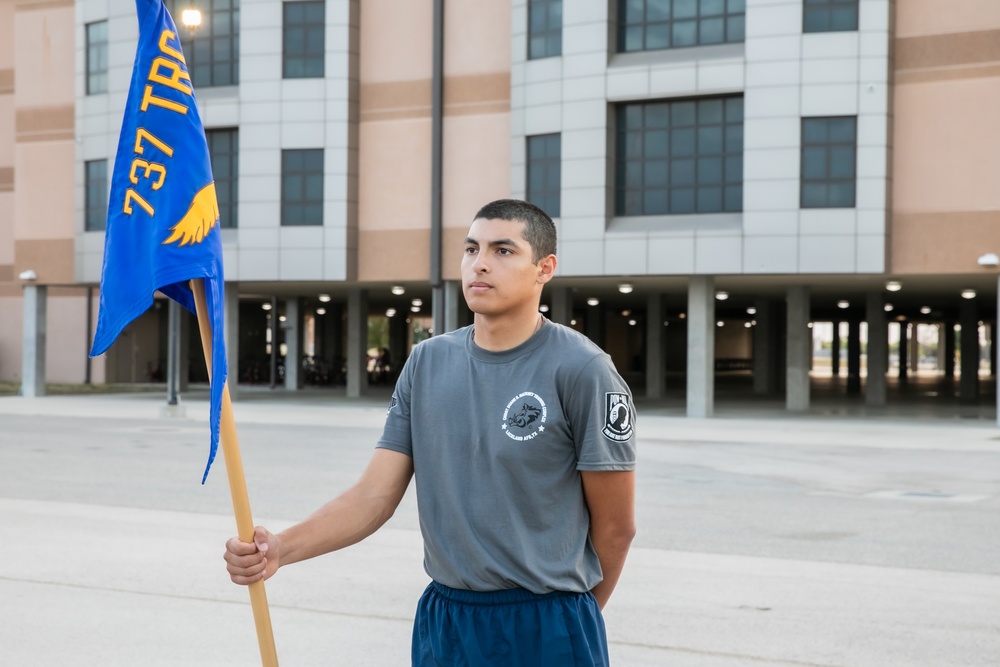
546,269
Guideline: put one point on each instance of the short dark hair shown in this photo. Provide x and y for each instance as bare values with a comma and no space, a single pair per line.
539,230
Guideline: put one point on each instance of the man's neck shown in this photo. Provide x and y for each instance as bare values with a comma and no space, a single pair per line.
498,335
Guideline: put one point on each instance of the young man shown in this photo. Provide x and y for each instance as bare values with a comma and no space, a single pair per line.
521,437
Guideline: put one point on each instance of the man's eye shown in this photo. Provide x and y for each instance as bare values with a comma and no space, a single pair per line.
504,251
471,249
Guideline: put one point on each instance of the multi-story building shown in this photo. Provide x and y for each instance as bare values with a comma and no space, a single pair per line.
724,175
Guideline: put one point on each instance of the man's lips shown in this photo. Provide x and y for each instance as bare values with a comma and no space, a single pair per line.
479,286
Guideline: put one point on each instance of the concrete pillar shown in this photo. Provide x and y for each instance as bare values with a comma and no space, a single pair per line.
357,342
173,352
397,343
701,347
765,349
914,348
595,325
798,349
292,327
835,350
452,302
561,311
33,342
275,340
878,350
333,336
438,310
655,368
188,358
995,351
853,356
233,337
904,356
968,387
949,350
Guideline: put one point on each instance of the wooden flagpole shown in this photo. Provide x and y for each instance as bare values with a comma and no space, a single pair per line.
237,482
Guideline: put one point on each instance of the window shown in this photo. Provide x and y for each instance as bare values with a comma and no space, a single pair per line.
544,158
679,157
829,15
646,25
302,187
544,28
212,52
829,149
223,148
97,57
304,50
95,186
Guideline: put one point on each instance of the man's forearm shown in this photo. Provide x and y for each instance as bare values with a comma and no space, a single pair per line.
611,550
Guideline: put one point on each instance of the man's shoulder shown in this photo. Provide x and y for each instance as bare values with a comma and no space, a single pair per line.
572,343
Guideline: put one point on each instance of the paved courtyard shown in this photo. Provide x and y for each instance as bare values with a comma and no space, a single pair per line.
764,540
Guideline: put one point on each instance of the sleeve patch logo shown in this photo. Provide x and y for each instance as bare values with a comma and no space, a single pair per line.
618,420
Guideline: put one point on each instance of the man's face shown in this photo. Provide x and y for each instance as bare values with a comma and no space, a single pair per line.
498,274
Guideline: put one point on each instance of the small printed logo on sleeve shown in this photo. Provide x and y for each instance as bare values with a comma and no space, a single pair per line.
618,421
524,418
392,404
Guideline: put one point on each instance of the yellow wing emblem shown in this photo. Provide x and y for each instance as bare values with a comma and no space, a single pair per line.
199,219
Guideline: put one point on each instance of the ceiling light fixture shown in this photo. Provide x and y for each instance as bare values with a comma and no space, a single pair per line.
722,296
625,288
894,285
398,290
968,294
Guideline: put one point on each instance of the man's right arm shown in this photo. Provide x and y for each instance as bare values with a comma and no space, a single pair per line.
345,520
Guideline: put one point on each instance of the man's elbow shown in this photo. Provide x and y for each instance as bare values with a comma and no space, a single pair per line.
617,536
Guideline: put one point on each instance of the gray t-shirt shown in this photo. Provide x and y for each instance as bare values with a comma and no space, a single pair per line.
498,440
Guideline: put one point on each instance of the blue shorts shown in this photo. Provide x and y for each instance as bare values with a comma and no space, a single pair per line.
509,628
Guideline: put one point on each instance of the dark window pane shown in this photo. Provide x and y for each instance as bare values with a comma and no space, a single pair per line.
212,53
813,195
814,163
660,24
544,28
734,198
709,140
654,202
709,200
830,15
682,142
685,33
710,170
656,174
844,18
841,195
682,172
712,31
303,39
842,162
694,136
302,187
658,36
544,172
655,144
682,201
635,10
685,9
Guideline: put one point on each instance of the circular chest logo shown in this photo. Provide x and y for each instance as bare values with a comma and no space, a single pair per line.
525,415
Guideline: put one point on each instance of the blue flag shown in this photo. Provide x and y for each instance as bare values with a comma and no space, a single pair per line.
163,213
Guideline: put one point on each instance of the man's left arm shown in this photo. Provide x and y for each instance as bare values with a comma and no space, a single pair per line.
610,499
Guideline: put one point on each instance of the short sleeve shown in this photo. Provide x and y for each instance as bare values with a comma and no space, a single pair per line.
396,434
602,417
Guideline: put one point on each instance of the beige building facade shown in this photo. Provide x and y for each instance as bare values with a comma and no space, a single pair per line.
721,180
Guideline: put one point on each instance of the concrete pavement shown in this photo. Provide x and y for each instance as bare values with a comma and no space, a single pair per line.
763,541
